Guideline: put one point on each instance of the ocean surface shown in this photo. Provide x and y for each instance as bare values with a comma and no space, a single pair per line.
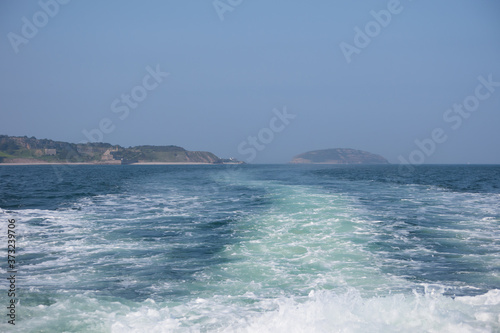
252,248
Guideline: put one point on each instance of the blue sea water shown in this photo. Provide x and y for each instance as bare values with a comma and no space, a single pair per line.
252,248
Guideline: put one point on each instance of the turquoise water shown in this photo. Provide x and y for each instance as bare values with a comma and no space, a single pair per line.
278,248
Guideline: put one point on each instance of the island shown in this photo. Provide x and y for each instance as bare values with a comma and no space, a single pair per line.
338,156
24,150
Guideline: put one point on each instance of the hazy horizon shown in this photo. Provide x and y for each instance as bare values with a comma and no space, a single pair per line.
413,81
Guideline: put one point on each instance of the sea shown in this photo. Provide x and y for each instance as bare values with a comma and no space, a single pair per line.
251,248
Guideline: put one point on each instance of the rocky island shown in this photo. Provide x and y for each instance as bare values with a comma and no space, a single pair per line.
338,156
24,150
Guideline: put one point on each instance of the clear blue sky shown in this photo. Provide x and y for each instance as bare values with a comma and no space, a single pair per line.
226,77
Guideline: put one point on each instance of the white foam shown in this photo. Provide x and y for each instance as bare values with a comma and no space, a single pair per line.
492,297
320,312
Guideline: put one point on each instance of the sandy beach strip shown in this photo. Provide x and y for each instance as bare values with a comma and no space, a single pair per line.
88,163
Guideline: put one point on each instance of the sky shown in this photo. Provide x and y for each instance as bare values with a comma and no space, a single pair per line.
262,81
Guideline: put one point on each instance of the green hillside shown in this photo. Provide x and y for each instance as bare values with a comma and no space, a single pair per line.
32,150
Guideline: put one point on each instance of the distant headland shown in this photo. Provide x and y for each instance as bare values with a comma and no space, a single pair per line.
24,150
338,156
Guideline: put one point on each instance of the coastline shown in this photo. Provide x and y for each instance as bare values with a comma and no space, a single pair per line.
32,151
138,163
170,163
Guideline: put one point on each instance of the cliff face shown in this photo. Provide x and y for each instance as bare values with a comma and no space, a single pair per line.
202,157
168,154
32,150
338,156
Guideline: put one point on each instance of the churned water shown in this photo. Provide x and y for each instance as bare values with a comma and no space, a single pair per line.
252,248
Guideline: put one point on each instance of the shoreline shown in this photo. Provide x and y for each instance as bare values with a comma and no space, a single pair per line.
138,163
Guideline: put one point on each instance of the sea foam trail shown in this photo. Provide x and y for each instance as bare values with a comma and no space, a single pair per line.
260,250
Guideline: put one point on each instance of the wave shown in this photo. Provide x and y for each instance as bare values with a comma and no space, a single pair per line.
320,311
